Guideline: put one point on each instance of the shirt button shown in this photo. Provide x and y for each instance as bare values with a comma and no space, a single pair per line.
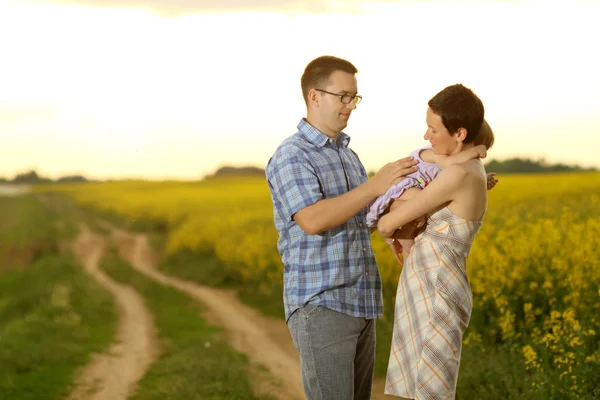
360,225
367,273
364,249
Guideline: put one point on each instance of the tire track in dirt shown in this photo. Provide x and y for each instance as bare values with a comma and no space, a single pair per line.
114,375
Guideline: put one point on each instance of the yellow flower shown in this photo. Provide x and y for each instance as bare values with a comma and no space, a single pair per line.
537,247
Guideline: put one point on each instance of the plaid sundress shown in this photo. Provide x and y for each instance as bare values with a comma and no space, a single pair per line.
432,310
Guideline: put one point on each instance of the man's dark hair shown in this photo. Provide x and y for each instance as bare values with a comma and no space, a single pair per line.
317,73
459,107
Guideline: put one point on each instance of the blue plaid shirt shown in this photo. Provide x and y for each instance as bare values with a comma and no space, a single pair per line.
336,268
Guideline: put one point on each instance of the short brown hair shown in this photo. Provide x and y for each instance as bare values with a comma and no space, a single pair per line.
459,107
318,71
485,136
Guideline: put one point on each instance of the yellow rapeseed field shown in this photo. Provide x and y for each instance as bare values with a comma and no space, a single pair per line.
534,267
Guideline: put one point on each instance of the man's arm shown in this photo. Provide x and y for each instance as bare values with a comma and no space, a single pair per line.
438,192
326,214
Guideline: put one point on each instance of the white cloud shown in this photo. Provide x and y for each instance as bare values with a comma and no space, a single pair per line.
174,8
183,7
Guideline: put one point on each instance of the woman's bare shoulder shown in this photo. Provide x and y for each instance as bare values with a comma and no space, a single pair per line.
475,171
470,171
457,171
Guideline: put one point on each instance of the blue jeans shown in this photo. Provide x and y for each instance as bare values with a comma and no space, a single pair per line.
337,353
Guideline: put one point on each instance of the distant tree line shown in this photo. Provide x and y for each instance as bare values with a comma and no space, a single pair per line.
508,166
32,178
224,171
526,165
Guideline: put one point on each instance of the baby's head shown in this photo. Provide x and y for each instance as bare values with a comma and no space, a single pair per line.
485,136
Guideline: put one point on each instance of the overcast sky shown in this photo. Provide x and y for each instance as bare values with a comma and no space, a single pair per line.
180,88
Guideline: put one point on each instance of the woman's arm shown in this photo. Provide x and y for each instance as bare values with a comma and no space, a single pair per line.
440,191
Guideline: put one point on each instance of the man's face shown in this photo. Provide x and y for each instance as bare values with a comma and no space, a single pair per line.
332,112
437,134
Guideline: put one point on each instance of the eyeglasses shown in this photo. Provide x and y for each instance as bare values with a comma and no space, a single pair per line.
344,98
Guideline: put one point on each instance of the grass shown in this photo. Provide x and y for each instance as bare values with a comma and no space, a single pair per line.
207,269
196,362
70,214
204,268
480,365
537,249
52,316
493,372
27,231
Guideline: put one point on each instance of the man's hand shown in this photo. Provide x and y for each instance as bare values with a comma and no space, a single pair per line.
392,173
491,180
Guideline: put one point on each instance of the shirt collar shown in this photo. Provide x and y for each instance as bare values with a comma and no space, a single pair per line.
318,138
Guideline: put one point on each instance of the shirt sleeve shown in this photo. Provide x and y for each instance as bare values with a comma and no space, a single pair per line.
417,153
293,183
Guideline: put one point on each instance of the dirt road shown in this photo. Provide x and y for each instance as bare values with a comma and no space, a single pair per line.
265,340
114,375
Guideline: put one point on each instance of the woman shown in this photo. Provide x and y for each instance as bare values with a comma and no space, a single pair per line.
434,299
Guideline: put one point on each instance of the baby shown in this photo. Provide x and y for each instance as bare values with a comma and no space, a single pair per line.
429,166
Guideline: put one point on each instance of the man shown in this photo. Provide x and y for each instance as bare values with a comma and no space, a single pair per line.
320,190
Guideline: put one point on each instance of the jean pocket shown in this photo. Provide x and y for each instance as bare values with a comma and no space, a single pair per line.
292,324
311,311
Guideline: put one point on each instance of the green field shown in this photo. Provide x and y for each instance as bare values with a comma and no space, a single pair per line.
533,270
52,314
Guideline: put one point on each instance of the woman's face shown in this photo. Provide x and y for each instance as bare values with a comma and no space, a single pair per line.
442,142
